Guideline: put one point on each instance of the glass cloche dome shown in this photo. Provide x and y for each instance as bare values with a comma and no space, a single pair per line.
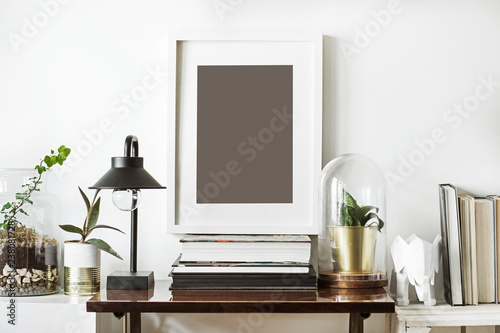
352,239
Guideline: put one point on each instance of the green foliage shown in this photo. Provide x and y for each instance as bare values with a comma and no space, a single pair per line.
90,224
11,209
99,243
353,215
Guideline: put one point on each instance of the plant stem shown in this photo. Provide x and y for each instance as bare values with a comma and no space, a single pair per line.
16,208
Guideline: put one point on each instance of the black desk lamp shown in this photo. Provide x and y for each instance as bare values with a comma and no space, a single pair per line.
126,177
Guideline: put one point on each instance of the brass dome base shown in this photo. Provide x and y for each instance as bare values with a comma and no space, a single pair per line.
331,279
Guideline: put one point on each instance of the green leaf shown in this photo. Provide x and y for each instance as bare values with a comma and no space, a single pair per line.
46,159
6,206
364,210
87,202
94,214
21,196
380,223
354,221
53,160
344,216
72,228
350,221
63,152
349,200
99,243
357,213
104,226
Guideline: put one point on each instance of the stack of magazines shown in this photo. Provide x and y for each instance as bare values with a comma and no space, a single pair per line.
244,262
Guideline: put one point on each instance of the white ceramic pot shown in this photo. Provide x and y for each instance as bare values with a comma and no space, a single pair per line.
82,269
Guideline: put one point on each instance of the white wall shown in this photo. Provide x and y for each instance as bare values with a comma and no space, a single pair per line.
384,95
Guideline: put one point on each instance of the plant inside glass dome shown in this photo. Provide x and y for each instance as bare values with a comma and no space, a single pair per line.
354,215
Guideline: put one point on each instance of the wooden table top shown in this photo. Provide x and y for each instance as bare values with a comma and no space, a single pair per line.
161,299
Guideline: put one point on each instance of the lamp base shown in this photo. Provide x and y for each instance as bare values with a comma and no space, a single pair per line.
124,280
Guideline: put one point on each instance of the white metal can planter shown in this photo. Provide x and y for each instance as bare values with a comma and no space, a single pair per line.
82,269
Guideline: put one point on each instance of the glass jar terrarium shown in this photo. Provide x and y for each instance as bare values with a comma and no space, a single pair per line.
352,240
29,255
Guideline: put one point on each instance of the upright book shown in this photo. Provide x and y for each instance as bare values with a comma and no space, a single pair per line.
468,233
452,252
486,249
497,238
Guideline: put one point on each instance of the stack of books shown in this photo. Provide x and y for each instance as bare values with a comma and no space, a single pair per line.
470,229
244,262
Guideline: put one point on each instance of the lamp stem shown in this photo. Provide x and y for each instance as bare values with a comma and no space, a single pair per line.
133,241
132,150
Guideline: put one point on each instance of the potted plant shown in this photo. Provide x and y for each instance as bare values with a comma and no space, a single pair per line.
82,258
352,239
28,246
355,237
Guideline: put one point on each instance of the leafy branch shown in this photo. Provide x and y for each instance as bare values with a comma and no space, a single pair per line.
11,209
90,224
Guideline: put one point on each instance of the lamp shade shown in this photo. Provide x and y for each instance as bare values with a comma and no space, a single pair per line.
127,173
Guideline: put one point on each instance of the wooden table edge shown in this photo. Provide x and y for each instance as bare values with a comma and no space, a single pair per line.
239,307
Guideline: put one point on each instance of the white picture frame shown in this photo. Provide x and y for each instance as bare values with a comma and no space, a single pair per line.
187,50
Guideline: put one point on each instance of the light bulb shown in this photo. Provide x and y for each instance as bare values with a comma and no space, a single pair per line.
127,200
